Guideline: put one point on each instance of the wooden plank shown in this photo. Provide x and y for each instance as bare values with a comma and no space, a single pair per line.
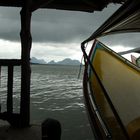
39,4
10,62
75,5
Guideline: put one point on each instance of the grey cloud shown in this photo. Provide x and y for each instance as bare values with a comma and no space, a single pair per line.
64,26
127,40
53,25
9,24
10,13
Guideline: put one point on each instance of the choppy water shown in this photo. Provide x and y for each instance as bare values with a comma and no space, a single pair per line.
56,92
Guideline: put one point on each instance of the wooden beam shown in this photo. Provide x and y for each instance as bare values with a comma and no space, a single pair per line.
26,42
39,4
11,3
10,62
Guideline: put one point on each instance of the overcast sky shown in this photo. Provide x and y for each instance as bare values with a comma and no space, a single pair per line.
56,34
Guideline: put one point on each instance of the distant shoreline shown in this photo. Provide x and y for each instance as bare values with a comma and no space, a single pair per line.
66,61
55,64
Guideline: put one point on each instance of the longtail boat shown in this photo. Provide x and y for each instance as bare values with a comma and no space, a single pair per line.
111,82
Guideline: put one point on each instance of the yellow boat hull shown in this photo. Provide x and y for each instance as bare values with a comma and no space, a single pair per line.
112,94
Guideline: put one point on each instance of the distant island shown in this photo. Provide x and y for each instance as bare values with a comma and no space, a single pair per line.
66,61
34,60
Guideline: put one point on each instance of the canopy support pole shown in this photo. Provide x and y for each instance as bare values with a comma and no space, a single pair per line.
26,42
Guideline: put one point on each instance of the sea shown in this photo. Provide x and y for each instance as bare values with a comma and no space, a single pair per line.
56,92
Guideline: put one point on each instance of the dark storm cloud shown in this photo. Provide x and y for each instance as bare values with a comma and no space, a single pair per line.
127,40
9,23
63,31
55,26
66,26
52,25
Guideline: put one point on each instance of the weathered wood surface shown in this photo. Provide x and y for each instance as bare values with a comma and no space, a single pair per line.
26,42
10,62
9,133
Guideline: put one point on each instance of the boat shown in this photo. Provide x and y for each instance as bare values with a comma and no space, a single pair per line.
111,82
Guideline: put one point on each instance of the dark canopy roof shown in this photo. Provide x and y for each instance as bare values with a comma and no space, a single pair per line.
125,19
77,5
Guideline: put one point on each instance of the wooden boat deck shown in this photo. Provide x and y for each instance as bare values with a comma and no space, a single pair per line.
9,133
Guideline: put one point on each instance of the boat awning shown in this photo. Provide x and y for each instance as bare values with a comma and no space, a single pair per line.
125,19
75,5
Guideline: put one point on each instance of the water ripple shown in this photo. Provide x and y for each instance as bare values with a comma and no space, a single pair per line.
55,92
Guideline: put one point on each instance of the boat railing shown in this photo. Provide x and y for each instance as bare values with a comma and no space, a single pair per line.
10,64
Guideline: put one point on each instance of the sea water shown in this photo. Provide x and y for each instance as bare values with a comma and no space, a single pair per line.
56,92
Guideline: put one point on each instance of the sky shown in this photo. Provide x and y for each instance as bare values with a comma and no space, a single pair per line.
57,34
